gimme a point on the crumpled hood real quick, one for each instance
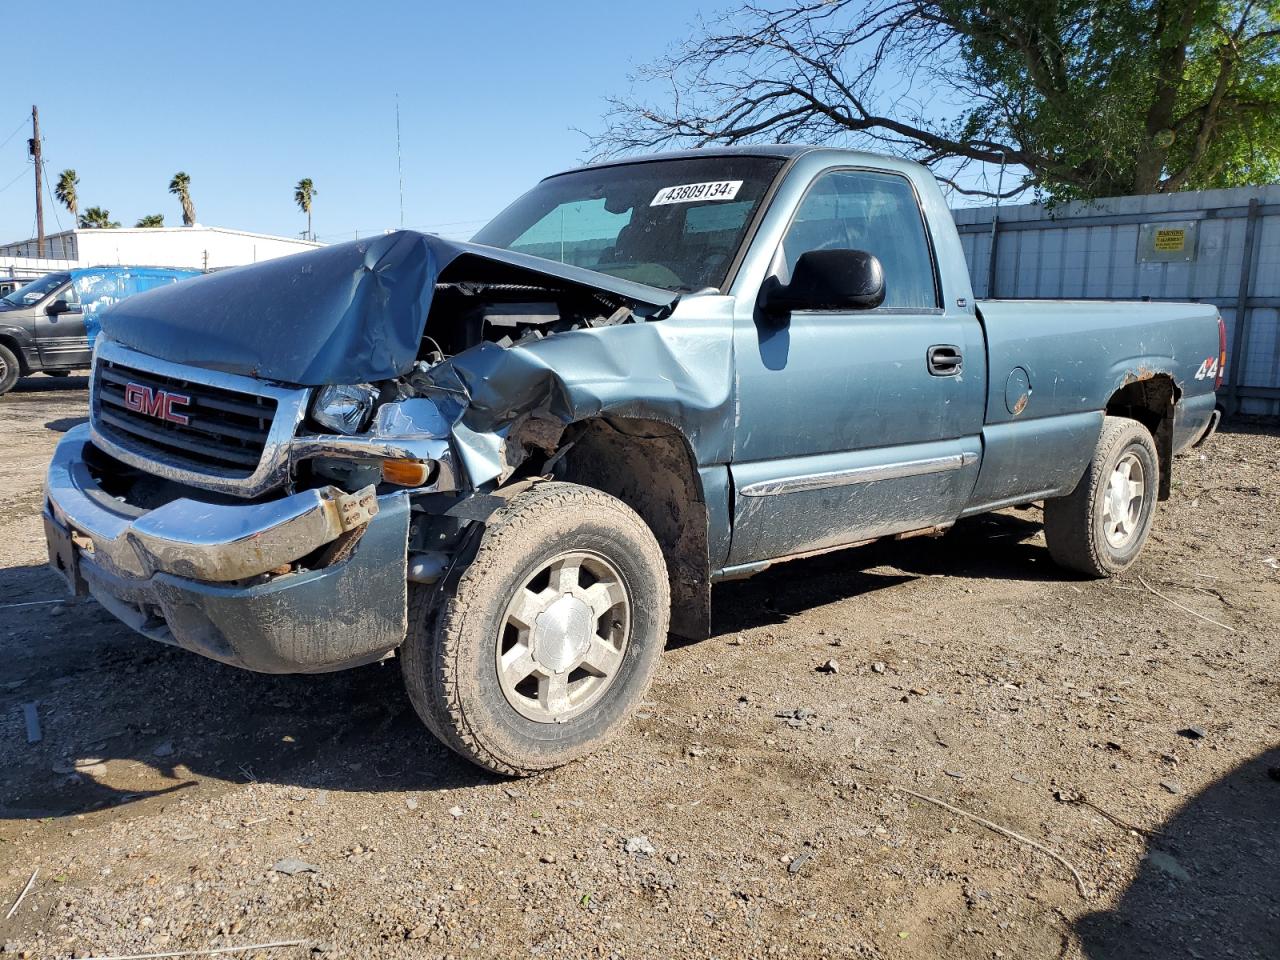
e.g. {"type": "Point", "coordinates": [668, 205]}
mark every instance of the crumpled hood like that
{"type": "Point", "coordinates": [348, 313]}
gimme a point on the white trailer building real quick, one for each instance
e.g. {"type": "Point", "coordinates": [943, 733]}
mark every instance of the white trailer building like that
{"type": "Point", "coordinates": [197, 247]}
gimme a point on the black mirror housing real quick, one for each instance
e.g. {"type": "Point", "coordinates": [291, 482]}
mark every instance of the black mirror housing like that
{"type": "Point", "coordinates": [58, 306]}
{"type": "Point", "coordinates": [828, 280]}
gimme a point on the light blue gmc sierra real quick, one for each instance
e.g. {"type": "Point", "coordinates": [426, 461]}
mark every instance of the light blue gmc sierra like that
{"type": "Point", "coordinates": [518, 463]}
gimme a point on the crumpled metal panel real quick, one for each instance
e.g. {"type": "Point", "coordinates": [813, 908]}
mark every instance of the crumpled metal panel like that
{"type": "Point", "coordinates": [347, 313]}
{"type": "Point", "coordinates": [674, 371]}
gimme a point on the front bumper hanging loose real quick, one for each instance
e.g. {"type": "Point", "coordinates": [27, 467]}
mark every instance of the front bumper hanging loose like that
{"type": "Point", "coordinates": [208, 576]}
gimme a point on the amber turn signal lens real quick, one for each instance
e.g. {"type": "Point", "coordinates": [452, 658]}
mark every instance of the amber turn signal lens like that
{"type": "Point", "coordinates": [407, 473]}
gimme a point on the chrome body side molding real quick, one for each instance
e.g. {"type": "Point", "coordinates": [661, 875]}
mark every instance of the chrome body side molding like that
{"type": "Point", "coordinates": [869, 474]}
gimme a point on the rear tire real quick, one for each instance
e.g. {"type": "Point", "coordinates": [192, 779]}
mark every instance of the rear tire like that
{"type": "Point", "coordinates": [549, 639]}
{"type": "Point", "coordinates": [10, 369]}
{"type": "Point", "coordinates": [1100, 528]}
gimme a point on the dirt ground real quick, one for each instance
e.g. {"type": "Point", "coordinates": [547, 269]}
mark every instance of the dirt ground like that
{"type": "Point", "coordinates": [758, 806]}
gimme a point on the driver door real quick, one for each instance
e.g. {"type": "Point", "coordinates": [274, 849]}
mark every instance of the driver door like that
{"type": "Point", "coordinates": [855, 424]}
{"type": "Point", "coordinates": [61, 339]}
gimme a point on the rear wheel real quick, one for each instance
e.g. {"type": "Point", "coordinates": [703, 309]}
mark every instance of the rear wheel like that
{"type": "Point", "coordinates": [549, 639]}
{"type": "Point", "coordinates": [10, 369]}
{"type": "Point", "coordinates": [1102, 526]}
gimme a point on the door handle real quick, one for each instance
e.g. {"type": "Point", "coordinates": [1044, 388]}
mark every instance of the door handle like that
{"type": "Point", "coordinates": [945, 360]}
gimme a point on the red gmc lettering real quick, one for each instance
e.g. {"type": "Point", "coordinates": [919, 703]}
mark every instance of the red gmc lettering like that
{"type": "Point", "coordinates": [156, 403]}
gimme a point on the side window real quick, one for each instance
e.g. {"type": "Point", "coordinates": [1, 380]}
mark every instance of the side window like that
{"type": "Point", "coordinates": [875, 212]}
{"type": "Point", "coordinates": [69, 294]}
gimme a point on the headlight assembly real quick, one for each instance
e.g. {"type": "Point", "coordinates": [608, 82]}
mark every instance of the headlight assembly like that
{"type": "Point", "coordinates": [344, 408]}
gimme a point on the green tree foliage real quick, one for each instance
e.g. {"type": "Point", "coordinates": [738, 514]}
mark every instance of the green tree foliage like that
{"type": "Point", "coordinates": [302, 195]}
{"type": "Point", "coordinates": [96, 218]}
{"type": "Point", "coordinates": [151, 220]}
{"type": "Point", "coordinates": [65, 191]}
{"type": "Point", "coordinates": [1079, 99]}
{"type": "Point", "coordinates": [180, 187]}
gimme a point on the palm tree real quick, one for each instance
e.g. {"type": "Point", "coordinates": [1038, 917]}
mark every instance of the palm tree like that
{"type": "Point", "coordinates": [151, 220]}
{"type": "Point", "coordinates": [302, 195]}
{"type": "Point", "coordinates": [96, 218]}
{"type": "Point", "coordinates": [65, 191]}
{"type": "Point", "coordinates": [180, 187]}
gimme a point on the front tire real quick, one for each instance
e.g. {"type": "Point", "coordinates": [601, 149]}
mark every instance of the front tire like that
{"type": "Point", "coordinates": [549, 639]}
{"type": "Point", "coordinates": [10, 369]}
{"type": "Point", "coordinates": [1100, 528]}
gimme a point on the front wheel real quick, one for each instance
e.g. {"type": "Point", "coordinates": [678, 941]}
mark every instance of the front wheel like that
{"type": "Point", "coordinates": [550, 637]}
{"type": "Point", "coordinates": [10, 369]}
{"type": "Point", "coordinates": [1100, 528]}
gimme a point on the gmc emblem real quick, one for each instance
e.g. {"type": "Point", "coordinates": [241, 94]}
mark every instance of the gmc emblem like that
{"type": "Point", "coordinates": [160, 404]}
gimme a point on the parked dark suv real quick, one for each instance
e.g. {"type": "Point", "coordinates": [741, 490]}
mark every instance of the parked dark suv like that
{"type": "Point", "coordinates": [42, 330]}
{"type": "Point", "coordinates": [48, 326]}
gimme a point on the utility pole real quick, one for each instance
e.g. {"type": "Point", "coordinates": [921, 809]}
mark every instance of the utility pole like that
{"type": "Point", "coordinates": [399, 165]}
{"type": "Point", "coordinates": [34, 147]}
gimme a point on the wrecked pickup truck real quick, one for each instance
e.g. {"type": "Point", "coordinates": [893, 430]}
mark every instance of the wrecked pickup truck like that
{"type": "Point", "coordinates": [518, 463]}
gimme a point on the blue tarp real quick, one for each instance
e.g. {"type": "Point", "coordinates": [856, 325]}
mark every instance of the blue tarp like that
{"type": "Point", "coordinates": [100, 287]}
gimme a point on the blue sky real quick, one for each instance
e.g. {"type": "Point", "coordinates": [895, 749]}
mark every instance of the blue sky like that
{"type": "Point", "coordinates": [249, 97]}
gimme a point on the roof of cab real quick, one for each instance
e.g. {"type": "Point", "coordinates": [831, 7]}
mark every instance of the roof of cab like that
{"type": "Point", "coordinates": [785, 151]}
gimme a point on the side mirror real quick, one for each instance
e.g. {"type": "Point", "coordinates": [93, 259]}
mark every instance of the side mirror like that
{"type": "Point", "coordinates": [58, 306]}
{"type": "Point", "coordinates": [827, 280]}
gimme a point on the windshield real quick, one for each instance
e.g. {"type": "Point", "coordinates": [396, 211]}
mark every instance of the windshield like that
{"type": "Point", "coordinates": [36, 290]}
{"type": "Point", "coordinates": [675, 224]}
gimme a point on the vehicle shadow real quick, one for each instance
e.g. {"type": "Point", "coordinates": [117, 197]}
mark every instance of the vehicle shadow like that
{"type": "Point", "coordinates": [47, 384]}
{"type": "Point", "coordinates": [63, 424]}
{"type": "Point", "coordinates": [992, 546]}
{"type": "Point", "coordinates": [1246, 425]}
{"type": "Point", "coordinates": [1209, 886]}
{"type": "Point", "coordinates": [123, 718]}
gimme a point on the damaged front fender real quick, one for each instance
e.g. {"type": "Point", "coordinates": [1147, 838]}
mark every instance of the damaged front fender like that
{"type": "Point", "coordinates": [677, 372]}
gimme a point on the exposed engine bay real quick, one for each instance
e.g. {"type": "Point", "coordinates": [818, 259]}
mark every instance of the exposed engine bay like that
{"type": "Point", "coordinates": [465, 314]}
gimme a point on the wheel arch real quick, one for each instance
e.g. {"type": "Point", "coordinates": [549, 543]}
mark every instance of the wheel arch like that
{"type": "Point", "coordinates": [19, 348]}
{"type": "Point", "coordinates": [650, 466]}
{"type": "Point", "coordinates": [1151, 398]}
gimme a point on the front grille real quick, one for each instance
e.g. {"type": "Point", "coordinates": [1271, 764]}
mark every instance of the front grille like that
{"type": "Point", "coordinates": [226, 431]}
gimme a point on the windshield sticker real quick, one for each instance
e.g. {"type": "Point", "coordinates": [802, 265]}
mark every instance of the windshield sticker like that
{"type": "Point", "coordinates": [691, 192]}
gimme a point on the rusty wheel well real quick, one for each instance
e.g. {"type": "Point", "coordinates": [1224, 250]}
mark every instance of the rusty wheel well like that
{"type": "Point", "coordinates": [649, 465]}
{"type": "Point", "coordinates": [1151, 400]}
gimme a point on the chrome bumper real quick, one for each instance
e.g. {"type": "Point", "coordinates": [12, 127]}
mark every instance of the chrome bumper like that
{"type": "Point", "coordinates": [186, 573]}
{"type": "Point", "coordinates": [190, 538]}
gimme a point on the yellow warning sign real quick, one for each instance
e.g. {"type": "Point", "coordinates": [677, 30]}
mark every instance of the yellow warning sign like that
{"type": "Point", "coordinates": [1171, 240]}
{"type": "Point", "coordinates": [1167, 241]}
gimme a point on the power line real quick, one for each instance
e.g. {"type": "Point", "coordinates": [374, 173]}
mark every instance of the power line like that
{"type": "Point", "coordinates": [13, 181]}
{"type": "Point", "coordinates": [22, 123]}
{"type": "Point", "coordinates": [52, 205]}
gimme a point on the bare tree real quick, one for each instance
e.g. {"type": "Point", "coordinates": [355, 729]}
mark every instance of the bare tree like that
{"type": "Point", "coordinates": [1080, 99]}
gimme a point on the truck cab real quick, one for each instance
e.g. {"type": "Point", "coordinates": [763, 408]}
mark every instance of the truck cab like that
{"type": "Point", "coordinates": [516, 464]}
